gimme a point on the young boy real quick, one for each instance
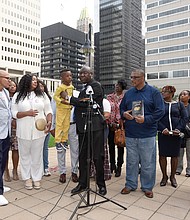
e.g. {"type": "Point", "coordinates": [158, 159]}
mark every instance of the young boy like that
{"type": "Point", "coordinates": [63, 111]}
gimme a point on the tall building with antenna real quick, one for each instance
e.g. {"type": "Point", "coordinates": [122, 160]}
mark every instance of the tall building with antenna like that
{"type": "Point", "coordinates": [83, 25]}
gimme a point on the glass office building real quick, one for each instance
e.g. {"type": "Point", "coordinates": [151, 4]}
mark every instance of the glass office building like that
{"type": "Point", "coordinates": [121, 47]}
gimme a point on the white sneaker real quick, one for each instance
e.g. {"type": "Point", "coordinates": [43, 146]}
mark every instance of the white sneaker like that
{"type": "Point", "coordinates": [6, 189]}
{"type": "Point", "coordinates": [28, 184]}
{"type": "Point", "coordinates": [47, 172]}
{"type": "Point", "coordinates": [37, 185]}
{"type": "Point", "coordinates": [3, 201]}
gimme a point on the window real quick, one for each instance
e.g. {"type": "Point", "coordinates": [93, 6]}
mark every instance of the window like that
{"type": "Point", "coordinates": [176, 60]}
{"type": "Point", "coordinates": [151, 5]}
{"type": "Point", "coordinates": [180, 73]}
{"type": "Point", "coordinates": [174, 11]}
{"type": "Point", "coordinates": [174, 23]}
{"type": "Point", "coordinates": [152, 63]}
{"type": "Point", "coordinates": [174, 48]}
{"type": "Point", "coordinates": [152, 76]}
{"type": "Point", "coordinates": [150, 17]}
{"type": "Point", "coordinates": [152, 51]}
{"type": "Point", "coordinates": [163, 75]}
{"type": "Point", "coordinates": [173, 36]}
{"type": "Point", "coordinates": [153, 28]}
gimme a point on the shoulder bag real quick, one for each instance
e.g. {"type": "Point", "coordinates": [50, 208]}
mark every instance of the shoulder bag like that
{"type": "Point", "coordinates": [119, 138]}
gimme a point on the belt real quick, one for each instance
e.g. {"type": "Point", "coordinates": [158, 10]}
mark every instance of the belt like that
{"type": "Point", "coordinates": [72, 123]}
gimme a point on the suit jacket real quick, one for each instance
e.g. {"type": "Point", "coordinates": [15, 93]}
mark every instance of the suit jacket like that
{"type": "Point", "coordinates": [82, 107]}
{"type": "Point", "coordinates": [5, 115]}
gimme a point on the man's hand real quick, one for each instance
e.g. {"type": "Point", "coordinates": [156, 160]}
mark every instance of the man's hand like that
{"type": "Point", "coordinates": [139, 119]}
{"type": "Point", "coordinates": [64, 101]}
{"type": "Point", "coordinates": [128, 115]}
{"type": "Point", "coordinates": [84, 99]}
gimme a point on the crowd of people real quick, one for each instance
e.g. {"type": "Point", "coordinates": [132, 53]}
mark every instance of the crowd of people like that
{"type": "Point", "coordinates": [84, 123]}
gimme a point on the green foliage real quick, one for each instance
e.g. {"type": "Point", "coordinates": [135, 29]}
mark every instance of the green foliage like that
{"type": "Point", "coordinates": [51, 141]}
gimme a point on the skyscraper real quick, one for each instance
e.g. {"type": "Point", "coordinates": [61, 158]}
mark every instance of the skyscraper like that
{"type": "Point", "coordinates": [85, 24]}
{"type": "Point", "coordinates": [120, 46]}
{"type": "Point", "coordinates": [20, 36]}
{"type": "Point", "coordinates": [167, 43]}
{"type": "Point", "coordinates": [60, 49]}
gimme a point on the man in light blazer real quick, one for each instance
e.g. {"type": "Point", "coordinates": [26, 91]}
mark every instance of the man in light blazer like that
{"type": "Point", "coordinates": [5, 128]}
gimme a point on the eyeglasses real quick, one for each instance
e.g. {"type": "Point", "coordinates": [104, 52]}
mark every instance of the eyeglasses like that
{"type": "Point", "coordinates": [6, 77]}
{"type": "Point", "coordinates": [165, 91]}
{"type": "Point", "coordinates": [83, 73]}
{"type": "Point", "coordinates": [135, 77]}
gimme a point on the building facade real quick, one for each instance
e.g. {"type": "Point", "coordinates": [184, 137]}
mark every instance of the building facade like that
{"type": "Point", "coordinates": [60, 48]}
{"type": "Point", "coordinates": [20, 38]}
{"type": "Point", "coordinates": [120, 46]}
{"type": "Point", "coordinates": [168, 43]}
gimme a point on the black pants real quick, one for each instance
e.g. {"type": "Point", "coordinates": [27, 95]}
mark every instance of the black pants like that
{"type": "Point", "coordinates": [4, 149]}
{"type": "Point", "coordinates": [97, 154]}
{"type": "Point", "coordinates": [112, 150]}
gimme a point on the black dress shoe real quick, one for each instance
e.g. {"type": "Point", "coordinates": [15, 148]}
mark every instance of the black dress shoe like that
{"type": "Point", "coordinates": [112, 168]}
{"type": "Point", "coordinates": [118, 172]}
{"type": "Point", "coordinates": [79, 188]}
{"type": "Point", "coordinates": [102, 190]}
{"type": "Point", "coordinates": [173, 182]}
{"type": "Point", "coordinates": [163, 181]}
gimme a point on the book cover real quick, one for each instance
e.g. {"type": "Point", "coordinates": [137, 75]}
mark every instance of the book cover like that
{"type": "Point", "coordinates": [137, 108]}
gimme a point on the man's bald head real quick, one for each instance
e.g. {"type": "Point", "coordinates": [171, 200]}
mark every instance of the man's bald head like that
{"type": "Point", "coordinates": [4, 79]}
{"type": "Point", "coordinates": [4, 73]}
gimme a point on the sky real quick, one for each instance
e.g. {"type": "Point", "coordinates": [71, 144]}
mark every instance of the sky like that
{"type": "Point", "coordinates": [66, 11]}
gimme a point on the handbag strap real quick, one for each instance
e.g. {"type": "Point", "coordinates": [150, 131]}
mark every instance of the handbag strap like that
{"type": "Point", "coordinates": [121, 124]}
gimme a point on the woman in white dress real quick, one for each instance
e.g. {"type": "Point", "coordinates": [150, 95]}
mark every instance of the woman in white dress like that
{"type": "Point", "coordinates": [28, 105]}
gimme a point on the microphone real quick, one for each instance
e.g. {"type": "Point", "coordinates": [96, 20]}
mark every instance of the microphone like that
{"type": "Point", "coordinates": [90, 92]}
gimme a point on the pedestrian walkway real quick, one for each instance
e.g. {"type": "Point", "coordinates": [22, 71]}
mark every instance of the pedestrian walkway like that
{"type": "Point", "coordinates": [168, 203]}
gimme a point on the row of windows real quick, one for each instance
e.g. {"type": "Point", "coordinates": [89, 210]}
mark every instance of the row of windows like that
{"type": "Point", "coordinates": [163, 75]}
{"type": "Point", "coordinates": [20, 43]}
{"type": "Point", "coordinates": [168, 49]}
{"type": "Point", "coordinates": [16, 60]}
{"type": "Point", "coordinates": [168, 37]}
{"type": "Point", "coordinates": [161, 2]}
{"type": "Point", "coordinates": [19, 34]}
{"type": "Point", "coordinates": [20, 52]}
{"type": "Point", "coordinates": [22, 9]}
{"type": "Point", "coordinates": [167, 25]}
{"type": "Point", "coordinates": [166, 13]}
{"type": "Point", "coordinates": [169, 61]}
{"type": "Point", "coordinates": [19, 25]}
{"type": "Point", "coordinates": [22, 17]}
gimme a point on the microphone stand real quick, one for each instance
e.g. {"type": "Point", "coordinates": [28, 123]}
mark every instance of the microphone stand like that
{"type": "Point", "coordinates": [89, 150]}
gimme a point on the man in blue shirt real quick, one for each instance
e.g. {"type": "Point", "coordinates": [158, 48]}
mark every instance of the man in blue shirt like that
{"type": "Point", "coordinates": [142, 107]}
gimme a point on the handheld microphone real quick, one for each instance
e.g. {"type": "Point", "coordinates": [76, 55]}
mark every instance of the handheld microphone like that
{"type": "Point", "coordinates": [90, 92]}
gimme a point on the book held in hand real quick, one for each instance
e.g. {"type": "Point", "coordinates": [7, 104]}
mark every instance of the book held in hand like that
{"type": "Point", "coordinates": [137, 108]}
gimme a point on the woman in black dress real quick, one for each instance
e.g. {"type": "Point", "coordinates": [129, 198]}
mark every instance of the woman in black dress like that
{"type": "Point", "coordinates": [170, 127]}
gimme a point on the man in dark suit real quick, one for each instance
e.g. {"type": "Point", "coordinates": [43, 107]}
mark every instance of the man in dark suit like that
{"type": "Point", "coordinates": [96, 129]}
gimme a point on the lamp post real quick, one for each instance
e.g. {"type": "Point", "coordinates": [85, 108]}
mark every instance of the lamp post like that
{"type": "Point", "coordinates": [87, 48]}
